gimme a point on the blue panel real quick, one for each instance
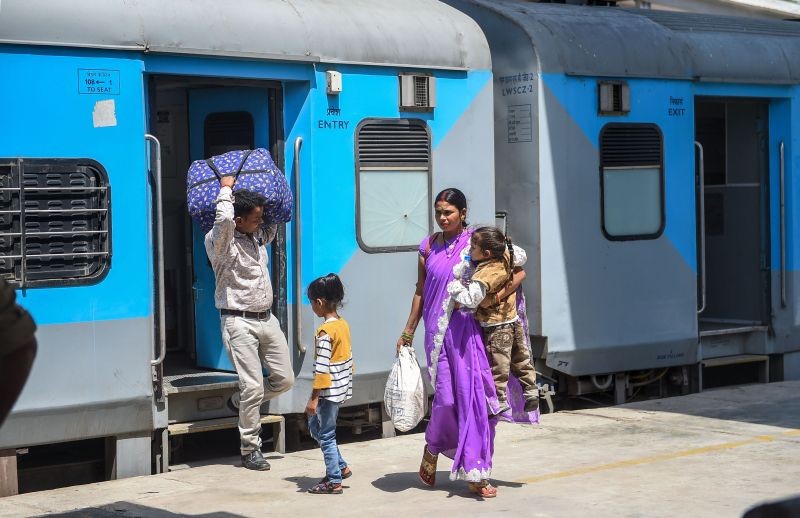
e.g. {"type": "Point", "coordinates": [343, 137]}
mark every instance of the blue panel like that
{"type": "Point", "coordinates": [330, 200]}
{"type": "Point", "coordinates": [297, 123]}
{"type": "Point", "coordinates": [221, 67]}
{"type": "Point", "coordinates": [47, 116]}
{"type": "Point", "coordinates": [208, 339]}
{"type": "Point", "coordinates": [652, 101]}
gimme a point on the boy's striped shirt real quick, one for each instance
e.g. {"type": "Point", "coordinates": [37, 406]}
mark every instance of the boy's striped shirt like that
{"type": "Point", "coordinates": [333, 361]}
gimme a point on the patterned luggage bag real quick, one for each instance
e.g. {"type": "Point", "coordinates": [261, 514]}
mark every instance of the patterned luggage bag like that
{"type": "Point", "coordinates": [254, 171]}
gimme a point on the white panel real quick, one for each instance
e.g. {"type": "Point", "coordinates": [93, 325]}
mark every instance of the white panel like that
{"type": "Point", "coordinates": [407, 91]}
{"type": "Point", "coordinates": [393, 207]}
{"type": "Point", "coordinates": [632, 201]}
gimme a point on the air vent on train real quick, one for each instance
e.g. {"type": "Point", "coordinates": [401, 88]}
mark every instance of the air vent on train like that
{"type": "Point", "coordinates": [614, 98]}
{"type": "Point", "coordinates": [417, 92]}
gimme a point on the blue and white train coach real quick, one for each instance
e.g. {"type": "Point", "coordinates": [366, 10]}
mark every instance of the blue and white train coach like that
{"type": "Point", "coordinates": [369, 108]}
{"type": "Point", "coordinates": [647, 161]}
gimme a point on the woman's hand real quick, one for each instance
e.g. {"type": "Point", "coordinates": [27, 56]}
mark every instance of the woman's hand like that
{"type": "Point", "coordinates": [406, 338]}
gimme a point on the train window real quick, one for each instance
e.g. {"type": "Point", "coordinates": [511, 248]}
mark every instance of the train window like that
{"type": "Point", "coordinates": [54, 222]}
{"type": "Point", "coordinates": [631, 181]}
{"type": "Point", "coordinates": [393, 177]}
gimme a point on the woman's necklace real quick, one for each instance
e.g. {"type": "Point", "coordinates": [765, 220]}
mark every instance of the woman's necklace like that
{"type": "Point", "coordinates": [450, 246]}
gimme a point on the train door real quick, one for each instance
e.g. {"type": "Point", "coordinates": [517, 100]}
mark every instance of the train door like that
{"type": "Point", "coordinates": [220, 120]}
{"type": "Point", "coordinates": [733, 225]}
{"type": "Point", "coordinates": [196, 118]}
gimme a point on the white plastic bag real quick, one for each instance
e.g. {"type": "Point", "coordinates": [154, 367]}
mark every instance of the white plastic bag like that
{"type": "Point", "coordinates": [405, 393]}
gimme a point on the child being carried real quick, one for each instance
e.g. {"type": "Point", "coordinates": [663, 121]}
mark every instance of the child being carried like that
{"type": "Point", "coordinates": [503, 333]}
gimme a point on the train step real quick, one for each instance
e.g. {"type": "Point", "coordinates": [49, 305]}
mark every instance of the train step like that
{"type": "Point", "coordinates": [197, 380]}
{"type": "Point", "coordinates": [727, 340]}
{"type": "Point", "coordinates": [209, 425]}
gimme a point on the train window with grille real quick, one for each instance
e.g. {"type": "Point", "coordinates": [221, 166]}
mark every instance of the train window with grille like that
{"type": "Point", "coordinates": [393, 176]}
{"type": "Point", "coordinates": [631, 181]}
{"type": "Point", "coordinates": [54, 222]}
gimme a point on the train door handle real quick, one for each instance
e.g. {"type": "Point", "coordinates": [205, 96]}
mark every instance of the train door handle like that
{"type": "Point", "coordinates": [162, 333]}
{"type": "Point", "coordinates": [702, 170]}
{"type": "Point", "coordinates": [298, 283]}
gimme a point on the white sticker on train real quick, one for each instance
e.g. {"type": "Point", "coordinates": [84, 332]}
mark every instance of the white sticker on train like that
{"type": "Point", "coordinates": [104, 114]}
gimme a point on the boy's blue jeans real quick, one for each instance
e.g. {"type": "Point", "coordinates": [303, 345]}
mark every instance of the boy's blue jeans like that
{"type": "Point", "coordinates": [322, 426]}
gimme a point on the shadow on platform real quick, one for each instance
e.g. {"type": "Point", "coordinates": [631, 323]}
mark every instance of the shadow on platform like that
{"type": "Point", "coordinates": [129, 510]}
{"type": "Point", "coordinates": [398, 482]}
{"type": "Point", "coordinates": [772, 404]}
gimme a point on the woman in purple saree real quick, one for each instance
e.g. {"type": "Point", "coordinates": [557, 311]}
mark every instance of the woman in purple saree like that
{"type": "Point", "coordinates": [460, 426]}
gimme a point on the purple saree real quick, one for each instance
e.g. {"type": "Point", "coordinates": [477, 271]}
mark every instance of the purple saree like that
{"type": "Point", "coordinates": [460, 427]}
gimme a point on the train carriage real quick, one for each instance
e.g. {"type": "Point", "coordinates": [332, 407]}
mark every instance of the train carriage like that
{"type": "Point", "coordinates": [369, 108]}
{"type": "Point", "coordinates": [647, 159]}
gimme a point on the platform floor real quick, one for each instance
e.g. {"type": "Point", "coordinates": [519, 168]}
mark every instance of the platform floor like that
{"type": "Point", "coordinates": [713, 454]}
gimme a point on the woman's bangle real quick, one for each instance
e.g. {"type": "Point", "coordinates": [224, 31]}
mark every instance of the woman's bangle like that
{"type": "Point", "coordinates": [406, 337]}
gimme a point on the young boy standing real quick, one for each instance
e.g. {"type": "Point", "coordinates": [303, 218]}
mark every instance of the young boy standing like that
{"type": "Point", "coordinates": [333, 379]}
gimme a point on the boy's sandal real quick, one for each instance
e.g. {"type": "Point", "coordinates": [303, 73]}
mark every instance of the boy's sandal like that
{"type": "Point", "coordinates": [427, 468]}
{"type": "Point", "coordinates": [326, 488]}
{"type": "Point", "coordinates": [346, 473]}
{"type": "Point", "coordinates": [483, 489]}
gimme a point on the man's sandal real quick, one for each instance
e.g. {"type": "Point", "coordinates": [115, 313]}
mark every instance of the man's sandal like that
{"type": "Point", "coordinates": [346, 473]}
{"type": "Point", "coordinates": [427, 468]}
{"type": "Point", "coordinates": [326, 488]}
{"type": "Point", "coordinates": [483, 489]}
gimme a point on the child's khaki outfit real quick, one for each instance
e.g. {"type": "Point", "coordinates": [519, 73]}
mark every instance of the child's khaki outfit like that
{"type": "Point", "coordinates": [504, 336]}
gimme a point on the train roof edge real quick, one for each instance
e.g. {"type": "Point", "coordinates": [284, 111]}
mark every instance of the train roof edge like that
{"type": "Point", "coordinates": [414, 33]}
{"type": "Point", "coordinates": [619, 42]}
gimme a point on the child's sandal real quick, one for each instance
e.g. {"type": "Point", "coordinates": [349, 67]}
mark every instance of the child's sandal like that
{"type": "Point", "coordinates": [346, 473]}
{"type": "Point", "coordinates": [483, 489]}
{"type": "Point", "coordinates": [326, 488]}
{"type": "Point", "coordinates": [427, 468]}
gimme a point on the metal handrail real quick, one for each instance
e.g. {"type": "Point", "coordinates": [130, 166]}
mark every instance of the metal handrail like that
{"type": "Point", "coordinates": [502, 214]}
{"type": "Point", "coordinates": [64, 255]}
{"type": "Point", "coordinates": [54, 211]}
{"type": "Point", "coordinates": [63, 233]}
{"type": "Point", "coordinates": [298, 287]}
{"type": "Point", "coordinates": [702, 168]}
{"type": "Point", "coordinates": [23, 239]}
{"type": "Point", "coordinates": [783, 224]}
{"type": "Point", "coordinates": [33, 189]}
{"type": "Point", "coordinates": [162, 334]}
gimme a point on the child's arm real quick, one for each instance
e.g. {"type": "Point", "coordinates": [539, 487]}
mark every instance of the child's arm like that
{"type": "Point", "coordinates": [311, 406]}
{"type": "Point", "coordinates": [468, 295]}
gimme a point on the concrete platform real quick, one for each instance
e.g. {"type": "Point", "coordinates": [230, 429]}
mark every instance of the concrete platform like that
{"type": "Point", "coordinates": [716, 453]}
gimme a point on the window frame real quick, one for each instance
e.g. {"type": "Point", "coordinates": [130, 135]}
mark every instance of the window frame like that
{"type": "Point", "coordinates": [358, 165]}
{"type": "Point", "coordinates": [661, 182]}
{"type": "Point", "coordinates": [17, 166]}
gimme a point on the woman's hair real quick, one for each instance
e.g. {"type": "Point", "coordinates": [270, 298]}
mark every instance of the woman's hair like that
{"type": "Point", "coordinates": [244, 202]}
{"type": "Point", "coordinates": [455, 198]}
{"type": "Point", "coordinates": [493, 241]}
{"type": "Point", "coordinates": [328, 288]}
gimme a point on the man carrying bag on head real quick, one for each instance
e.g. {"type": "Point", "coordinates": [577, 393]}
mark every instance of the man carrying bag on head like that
{"type": "Point", "coordinates": [236, 247]}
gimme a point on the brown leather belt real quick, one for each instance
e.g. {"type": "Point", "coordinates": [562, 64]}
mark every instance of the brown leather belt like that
{"type": "Point", "coordinates": [258, 315]}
